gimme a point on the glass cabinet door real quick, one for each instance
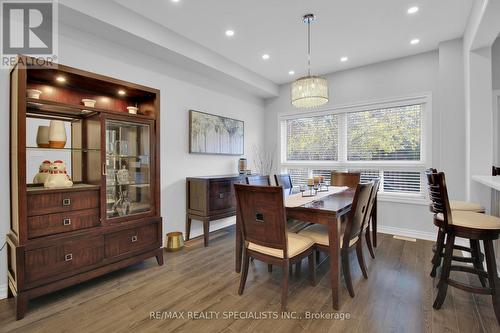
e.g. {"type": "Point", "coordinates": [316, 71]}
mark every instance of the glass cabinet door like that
{"type": "Point", "coordinates": [128, 168]}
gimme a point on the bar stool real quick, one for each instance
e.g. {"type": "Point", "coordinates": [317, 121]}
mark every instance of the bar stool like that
{"type": "Point", "coordinates": [477, 257]}
{"type": "Point", "coordinates": [469, 225]}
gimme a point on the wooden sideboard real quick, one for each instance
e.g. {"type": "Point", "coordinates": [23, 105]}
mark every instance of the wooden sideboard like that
{"type": "Point", "coordinates": [210, 198]}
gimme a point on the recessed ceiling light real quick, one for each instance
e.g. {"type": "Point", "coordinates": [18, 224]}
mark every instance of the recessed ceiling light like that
{"type": "Point", "coordinates": [344, 59]}
{"type": "Point", "coordinates": [412, 10]}
{"type": "Point", "coordinates": [265, 56]}
{"type": "Point", "coordinates": [229, 33]}
{"type": "Point", "coordinates": [61, 79]}
{"type": "Point", "coordinates": [415, 41]}
{"type": "Point", "coordinates": [291, 72]}
{"type": "Point", "coordinates": [175, 0]}
{"type": "Point", "coordinates": [121, 92]}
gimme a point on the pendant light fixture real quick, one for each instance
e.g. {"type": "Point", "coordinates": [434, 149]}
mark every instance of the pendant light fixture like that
{"type": "Point", "coordinates": [309, 91]}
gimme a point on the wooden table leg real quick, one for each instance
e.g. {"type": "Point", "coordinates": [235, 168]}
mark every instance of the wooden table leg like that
{"type": "Point", "coordinates": [238, 247]}
{"type": "Point", "coordinates": [188, 227]}
{"type": "Point", "coordinates": [374, 222]}
{"type": "Point", "coordinates": [206, 232]}
{"type": "Point", "coordinates": [334, 239]}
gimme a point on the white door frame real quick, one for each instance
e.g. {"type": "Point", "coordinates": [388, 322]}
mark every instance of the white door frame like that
{"type": "Point", "coordinates": [496, 126]}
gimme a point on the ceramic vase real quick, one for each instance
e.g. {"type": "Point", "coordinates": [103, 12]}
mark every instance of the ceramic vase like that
{"type": "Point", "coordinates": [42, 137]}
{"type": "Point", "coordinates": [57, 134]}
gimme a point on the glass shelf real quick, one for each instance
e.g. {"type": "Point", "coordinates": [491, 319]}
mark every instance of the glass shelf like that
{"type": "Point", "coordinates": [126, 156]}
{"type": "Point", "coordinates": [65, 149]}
{"type": "Point", "coordinates": [128, 184]}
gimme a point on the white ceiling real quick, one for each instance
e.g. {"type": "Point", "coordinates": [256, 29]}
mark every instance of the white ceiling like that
{"type": "Point", "coordinates": [367, 31]}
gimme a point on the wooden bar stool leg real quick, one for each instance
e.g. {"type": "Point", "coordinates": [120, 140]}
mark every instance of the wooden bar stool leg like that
{"type": "Point", "coordinates": [493, 279]}
{"type": "Point", "coordinates": [445, 273]}
{"type": "Point", "coordinates": [436, 259]}
{"type": "Point", "coordinates": [475, 255]}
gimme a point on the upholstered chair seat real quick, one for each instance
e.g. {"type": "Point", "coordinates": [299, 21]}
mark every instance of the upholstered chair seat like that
{"type": "Point", "coordinates": [473, 220]}
{"type": "Point", "coordinates": [466, 206]}
{"type": "Point", "coordinates": [296, 244]}
{"type": "Point", "coordinates": [319, 234]}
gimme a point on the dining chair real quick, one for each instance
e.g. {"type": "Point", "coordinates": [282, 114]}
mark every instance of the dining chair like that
{"type": "Point", "coordinates": [284, 180]}
{"type": "Point", "coordinates": [468, 225]}
{"type": "Point", "coordinates": [476, 257]}
{"type": "Point", "coordinates": [369, 214]}
{"type": "Point", "coordinates": [263, 226]}
{"type": "Point", "coordinates": [351, 235]}
{"type": "Point", "coordinates": [258, 180]}
{"type": "Point", "coordinates": [350, 179]}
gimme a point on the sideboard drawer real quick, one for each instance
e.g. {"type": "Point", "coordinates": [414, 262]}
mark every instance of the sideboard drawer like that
{"type": "Point", "coordinates": [131, 240]}
{"type": "Point", "coordinates": [63, 258]}
{"type": "Point", "coordinates": [221, 195]}
{"type": "Point", "coordinates": [50, 224]}
{"type": "Point", "coordinates": [47, 203]}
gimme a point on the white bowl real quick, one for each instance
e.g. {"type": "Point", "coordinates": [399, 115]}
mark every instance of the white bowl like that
{"type": "Point", "coordinates": [33, 93]}
{"type": "Point", "coordinates": [132, 109]}
{"type": "Point", "coordinates": [88, 102]}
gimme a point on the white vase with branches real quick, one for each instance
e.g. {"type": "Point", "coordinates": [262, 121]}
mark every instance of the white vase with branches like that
{"type": "Point", "coordinates": [263, 160]}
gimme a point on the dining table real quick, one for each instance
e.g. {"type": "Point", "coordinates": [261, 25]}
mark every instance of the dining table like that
{"type": "Point", "coordinates": [328, 209]}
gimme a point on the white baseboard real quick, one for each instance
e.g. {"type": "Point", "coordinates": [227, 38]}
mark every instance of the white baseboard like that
{"type": "Point", "coordinates": [424, 235]}
{"type": "Point", "coordinates": [3, 291]}
{"type": "Point", "coordinates": [431, 236]}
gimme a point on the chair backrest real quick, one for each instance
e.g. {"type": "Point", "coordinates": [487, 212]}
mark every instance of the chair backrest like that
{"type": "Point", "coordinates": [358, 212]}
{"type": "Point", "coordinates": [261, 212]}
{"type": "Point", "coordinates": [284, 180]}
{"type": "Point", "coordinates": [373, 197]}
{"type": "Point", "coordinates": [350, 179]}
{"type": "Point", "coordinates": [438, 194]}
{"type": "Point", "coordinates": [258, 180]}
{"type": "Point", "coordinates": [495, 171]}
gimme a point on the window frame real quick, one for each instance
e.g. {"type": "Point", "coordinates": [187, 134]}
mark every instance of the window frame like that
{"type": "Point", "coordinates": [425, 99]}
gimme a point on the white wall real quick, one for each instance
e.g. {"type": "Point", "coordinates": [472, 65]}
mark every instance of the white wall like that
{"type": "Point", "coordinates": [177, 97]}
{"type": "Point", "coordinates": [495, 61]}
{"type": "Point", "coordinates": [436, 72]}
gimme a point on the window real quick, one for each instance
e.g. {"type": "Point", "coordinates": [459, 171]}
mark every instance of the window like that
{"type": "Point", "coordinates": [383, 140]}
{"type": "Point", "coordinates": [385, 134]}
{"type": "Point", "coordinates": [312, 139]}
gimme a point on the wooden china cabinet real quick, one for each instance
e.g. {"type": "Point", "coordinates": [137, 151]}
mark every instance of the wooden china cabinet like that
{"type": "Point", "coordinates": [110, 217]}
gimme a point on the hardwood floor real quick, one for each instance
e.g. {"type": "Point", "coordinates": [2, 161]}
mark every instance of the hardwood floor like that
{"type": "Point", "coordinates": [397, 296]}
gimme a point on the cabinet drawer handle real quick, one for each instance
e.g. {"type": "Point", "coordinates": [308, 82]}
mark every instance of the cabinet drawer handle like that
{"type": "Point", "coordinates": [133, 239]}
{"type": "Point", "coordinates": [66, 202]}
{"type": "Point", "coordinates": [68, 257]}
{"type": "Point", "coordinates": [66, 221]}
{"type": "Point", "coordinates": [221, 195]}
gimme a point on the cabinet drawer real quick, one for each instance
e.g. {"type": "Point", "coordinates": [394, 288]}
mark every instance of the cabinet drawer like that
{"type": "Point", "coordinates": [63, 258]}
{"type": "Point", "coordinates": [47, 203]}
{"type": "Point", "coordinates": [223, 201]}
{"type": "Point", "coordinates": [220, 186]}
{"type": "Point", "coordinates": [43, 225]}
{"type": "Point", "coordinates": [131, 240]}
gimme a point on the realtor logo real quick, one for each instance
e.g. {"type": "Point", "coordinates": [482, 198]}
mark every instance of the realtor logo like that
{"type": "Point", "coordinates": [29, 28]}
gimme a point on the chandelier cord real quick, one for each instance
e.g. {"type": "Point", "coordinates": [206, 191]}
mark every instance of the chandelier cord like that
{"type": "Point", "coordinates": [309, 47]}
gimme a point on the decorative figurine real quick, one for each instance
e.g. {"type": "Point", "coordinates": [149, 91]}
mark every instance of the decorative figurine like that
{"type": "Point", "coordinates": [122, 176]}
{"type": "Point", "coordinates": [43, 172]}
{"type": "Point", "coordinates": [58, 176]}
